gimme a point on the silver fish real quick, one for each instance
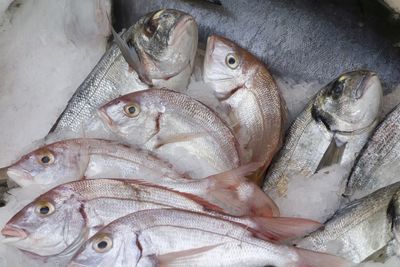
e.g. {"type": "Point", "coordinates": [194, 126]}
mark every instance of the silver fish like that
{"type": "Point", "coordinates": [379, 162]}
{"type": "Point", "coordinates": [176, 237]}
{"type": "Point", "coordinates": [361, 228]}
{"type": "Point", "coordinates": [57, 222]}
{"type": "Point", "coordinates": [165, 51]}
{"type": "Point", "coordinates": [331, 130]}
{"type": "Point", "coordinates": [245, 86]}
{"type": "Point", "coordinates": [174, 125]}
{"type": "Point", "coordinates": [73, 159]}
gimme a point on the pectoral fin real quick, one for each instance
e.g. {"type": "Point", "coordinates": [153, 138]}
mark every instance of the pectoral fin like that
{"type": "Point", "coordinates": [182, 137]}
{"type": "Point", "coordinates": [184, 257]}
{"type": "Point", "coordinates": [333, 154]}
{"type": "Point", "coordinates": [130, 55]}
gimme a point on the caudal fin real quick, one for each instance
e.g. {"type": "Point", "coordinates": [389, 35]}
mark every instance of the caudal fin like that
{"type": "Point", "coordinates": [239, 197]}
{"type": "Point", "coordinates": [283, 228]}
{"type": "Point", "coordinates": [310, 258]}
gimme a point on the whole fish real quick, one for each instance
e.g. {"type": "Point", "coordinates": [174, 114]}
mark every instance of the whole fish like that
{"type": "Point", "coordinates": [331, 130]}
{"type": "Point", "coordinates": [298, 41]}
{"type": "Point", "coordinates": [245, 86]}
{"type": "Point", "coordinates": [175, 127]}
{"type": "Point", "coordinates": [165, 42]}
{"type": "Point", "coordinates": [73, 159]}
{"type": "Point", "coordinates": [379, 162]}
{"type": "Point", "coordinates": [83, 207]}
{"type": "Point", "coordinates": [361, 228]}
{"type": "Point", "coordinates": [177, 237]}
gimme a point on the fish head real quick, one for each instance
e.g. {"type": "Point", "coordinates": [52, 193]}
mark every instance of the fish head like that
{"type": "Point", "coordinates": [50, 225]}
{"type": "Point", "coordinates": [114, 245]}
{"type": "Point", "coordinates": [351, 102]}
{"type": "Point", "coordinates": [165, 42]}
{"type": "Point", "coordinates": [64, 160]}
{"type": "Point", "coordinates": [227, 66]}
{"type": "Point", "coordinates": [134, 116]}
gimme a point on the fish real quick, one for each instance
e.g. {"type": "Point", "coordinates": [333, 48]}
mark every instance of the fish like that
{"type": "Point", "coordinates": [247, 89]}
{"type": "Point", "coordinates": [175, 127]}
{"type": "Point", "coordinates": [83, 207]}
{"type": "Point", "coordinates": [176, 237]}
{"type": "Point", "coordinates": [297, 41]}
{"type": "Point", "coordinates": [361, 228]}
{"type": "Point", "coordinates": [155, 38]}
{"type": "Point", "coordinates": [378, 162]}
{"type": "Point", "coordinates": [74, 159]}
{"type": "Point", "coordinates": [332, 129]}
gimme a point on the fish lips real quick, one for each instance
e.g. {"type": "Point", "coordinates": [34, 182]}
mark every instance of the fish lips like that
{"type": "Point", "coordinates": [13, 234]}
{"type": "Point", "coordinates": [365, 83]}
{"type": "Point", "coordinates": [21, 177]}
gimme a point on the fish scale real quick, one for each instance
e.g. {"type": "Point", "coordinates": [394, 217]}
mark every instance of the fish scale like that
{"type": "Point", "coordinates": [159, 232]}
{"type": "Point", "coordinates": [108, 79]}
{"type": "Point", "coordinates": [332, 129]}
{"type": "Point", "coordinates": [376, 166]}
{"type": "Point", "coordinates": [175, 127]}
{"type": "Point", "coordinates": [359, 229]}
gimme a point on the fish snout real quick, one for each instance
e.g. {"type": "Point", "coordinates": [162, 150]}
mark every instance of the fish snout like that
{"type": "Point", "coordinates": [21, 177]}
{"type": "Point", "coordinates": [10, 231]}
{"type": "Point", "coordinates": [367, 82]}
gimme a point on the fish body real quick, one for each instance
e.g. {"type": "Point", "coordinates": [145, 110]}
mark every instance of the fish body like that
{"type": "Point", "coordinates": [379, 161]}
{"type": "Point", "coordinates": [83, 207]}
{"type": "Point", "coordinates": [74, 159]}
{"type": "Point", "coordinates": [246, 88]}
{"type": "Point", "coordinates": [173, 35]}
{"type": "Point", "coordinates": [168, 237]}
{"type": "Point", "coordinates": [171, 125]}
{"type": "Point", "coordinates": [331, 130]}
{"type": "Point", "coordinates": [361, 228]}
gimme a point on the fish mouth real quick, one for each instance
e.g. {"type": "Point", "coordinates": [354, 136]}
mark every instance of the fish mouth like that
{"type": "Point", "coordinates": [13, 234]}
{"type": "Point", "coordinates": [21, 177]}
{"type": "Point", "coordinates": [181, 26]}
{"type": "Point", "coordinates": [366, 82]}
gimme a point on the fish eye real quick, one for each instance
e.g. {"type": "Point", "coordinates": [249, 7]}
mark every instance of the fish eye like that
{"type": "Point", "coordinates": [102, 243]}
{"type": "Point", "coordinates": [46, 157]}
{"type": "Point", "coordinates": [338, 86]}
{"type": "Point", "coordinates": [132, 110]}
{"type": "Point", "coordinates": [232, 61]}
{"type": "Point", "coordinates": [44, 208]}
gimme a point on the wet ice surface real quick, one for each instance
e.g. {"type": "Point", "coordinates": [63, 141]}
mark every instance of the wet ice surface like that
{"type": "Point", "coordinates": [316, 197]}
{"type": "Point", "coordinates": [47, 48]}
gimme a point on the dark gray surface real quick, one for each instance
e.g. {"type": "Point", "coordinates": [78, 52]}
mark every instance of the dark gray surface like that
{"type": "Point", "coordinates": [302, 40]}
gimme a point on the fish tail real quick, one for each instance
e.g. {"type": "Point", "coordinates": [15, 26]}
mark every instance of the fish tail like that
{"type": "Point", "coordinates": [226, 189]}
{"type": "Point", "coordinates": [310, 258]}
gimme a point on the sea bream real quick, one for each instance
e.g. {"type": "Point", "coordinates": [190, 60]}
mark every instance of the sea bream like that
{"type": "Point", "coordinates": [332, 129]}
{"type": "Point", "coordinates": [56, 223]}
{"type": "Point", "coordinates": [183, 238]}
{"type": "Point", "coordinates": [247, 90]}
{"type": "Point", "coordinates": [165, 42]}
{"type": "Point", "coordinates": [361, 228]}
{"type": "Point", "coordinates": [379, 162]}
{"type": "Point", "coordinates": [74, 159]}
{"type": "Point", "coordinates": [176, 128]}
